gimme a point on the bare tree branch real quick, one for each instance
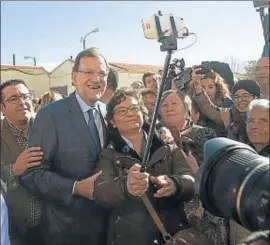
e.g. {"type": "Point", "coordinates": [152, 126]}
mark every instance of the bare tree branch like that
{"type": "Point", "coordinates": [250, 69]}
{"type": "Point", "coordinates": [234, 63]}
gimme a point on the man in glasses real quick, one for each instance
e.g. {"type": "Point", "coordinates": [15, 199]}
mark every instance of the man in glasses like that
{"type": "Point", "coordinates": [71, 132]}
{"type": "Point", "coordinates": [17, 107]}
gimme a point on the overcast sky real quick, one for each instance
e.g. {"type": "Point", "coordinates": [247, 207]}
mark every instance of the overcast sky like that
{"type": "Point", "coordinates": [51, 31]}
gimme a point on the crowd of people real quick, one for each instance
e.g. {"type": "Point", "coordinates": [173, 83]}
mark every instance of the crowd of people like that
{"type": "Point", "coordinates": [71, 167]}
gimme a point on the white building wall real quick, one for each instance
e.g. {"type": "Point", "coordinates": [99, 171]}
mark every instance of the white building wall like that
{"type": "Point", "coordinates": [125, 79]}
{"type": "Point", "coordinates": [61, 76]}
{"type": "Point", "coordinates": [38, 82]}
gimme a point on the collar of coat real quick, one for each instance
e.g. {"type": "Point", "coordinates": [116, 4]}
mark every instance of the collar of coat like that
{"type": "Point", "coordinates": [265, 152]}
{"type": "Point", "coordinates": [116, 142]}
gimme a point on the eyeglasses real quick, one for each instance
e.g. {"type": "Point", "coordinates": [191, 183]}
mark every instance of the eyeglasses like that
{"type": "Point", "coordinates": [91, 74]}
{"type": "Point", "coordinates": [16, 99]}
{"type": "Point", "coordinates": [124, 111]}
{"type": "Point", "coordinates": [243, 97]}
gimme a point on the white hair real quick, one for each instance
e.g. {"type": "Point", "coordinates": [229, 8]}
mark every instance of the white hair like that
{"type": "Point", "coordinates": [257, 103]}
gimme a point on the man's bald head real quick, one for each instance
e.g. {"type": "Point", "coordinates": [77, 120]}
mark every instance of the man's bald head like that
{"type": "Point", "coordinates": [262, 75]}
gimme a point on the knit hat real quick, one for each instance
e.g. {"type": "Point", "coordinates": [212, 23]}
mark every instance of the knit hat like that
{"type": "Point", "coordinates": [249, 85]}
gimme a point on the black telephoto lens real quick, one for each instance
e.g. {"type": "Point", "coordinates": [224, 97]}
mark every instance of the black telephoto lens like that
{"type": "Point", "coordinates": [233, 182]}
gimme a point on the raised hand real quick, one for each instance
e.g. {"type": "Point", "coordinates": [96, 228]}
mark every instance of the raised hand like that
{"type": "Point", "coordinates": [191, 160]}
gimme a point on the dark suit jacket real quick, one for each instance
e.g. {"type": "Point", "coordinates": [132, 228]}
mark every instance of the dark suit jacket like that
{"type": "Point", "coordinates": [17, 197]}
{"type": "Point", "coordinates": [61, 131]}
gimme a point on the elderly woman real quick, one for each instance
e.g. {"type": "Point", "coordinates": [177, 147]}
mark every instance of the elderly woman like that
{"type": "Point", "coordinates": [233, 119]}
{"type": "Point", "coordinates": [176, 114]}
{"type": "Point", "coordinates": [122, 183]}
{"type": "Point", "coordinates": [258, 126]}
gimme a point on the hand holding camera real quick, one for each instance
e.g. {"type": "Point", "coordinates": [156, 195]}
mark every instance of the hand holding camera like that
{"type": "Point", "coordinates": [196, 79]}
{"type": "Point", "coordinates": [196, 76]}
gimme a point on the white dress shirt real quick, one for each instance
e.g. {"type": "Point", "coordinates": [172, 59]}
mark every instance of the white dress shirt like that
{"type": "Point", "coordinates": [85, 108]}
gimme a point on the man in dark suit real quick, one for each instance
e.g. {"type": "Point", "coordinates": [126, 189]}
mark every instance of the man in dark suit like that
{"type": "Point", "coordinates": [24, 207]}
{"type": "Point", "coordinates": [71, 133]}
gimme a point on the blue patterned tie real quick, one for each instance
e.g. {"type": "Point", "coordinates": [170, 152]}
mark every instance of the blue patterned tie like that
{"type": "Point", "coordinates": [94, 132]}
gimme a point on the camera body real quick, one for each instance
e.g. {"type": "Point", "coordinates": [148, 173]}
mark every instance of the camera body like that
{"type": "Point", "coordinates": [183, 79]}
{"type": "Point", "coordinates": [233, 182]}
{"type": "Point", "coordinates": [179, 75]}
{"type": "Point", "coordinates": [176, 67]}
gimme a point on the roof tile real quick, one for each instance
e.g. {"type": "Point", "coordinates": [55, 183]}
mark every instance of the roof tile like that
{"type": "Point", "coordinates": [135, 68]}
{"type": "Point", "coordinates": [22, 67]}
{"type": "Point", "coordinates": [120, 67]}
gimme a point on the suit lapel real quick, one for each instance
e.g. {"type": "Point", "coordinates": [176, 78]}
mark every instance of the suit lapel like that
{"type": "Point", "coordinates": [78, 121]}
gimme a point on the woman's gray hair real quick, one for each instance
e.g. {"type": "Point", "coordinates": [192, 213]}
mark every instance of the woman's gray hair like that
{"type": "Point", "coordinates": [184, 98]}
{"type": "Point", "coordinates": [257, 103]}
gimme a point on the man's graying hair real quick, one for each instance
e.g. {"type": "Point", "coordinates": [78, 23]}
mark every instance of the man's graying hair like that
{"type": "Point", "coordinates": [258, 103]}
{"type": "Point", "coordinates": [91, 52]}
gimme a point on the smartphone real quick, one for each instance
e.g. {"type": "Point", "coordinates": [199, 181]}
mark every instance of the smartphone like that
{"type": "Point", "coordinates": [150, 29]}
{"type": "Point", "coordinates": [204, 69]}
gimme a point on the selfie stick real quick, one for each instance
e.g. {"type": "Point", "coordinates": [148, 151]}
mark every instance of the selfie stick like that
{"type": "Point", "coordinates": [169, 44]}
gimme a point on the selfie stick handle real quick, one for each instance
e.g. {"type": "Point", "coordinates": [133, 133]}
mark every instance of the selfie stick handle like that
{"type": "Point", "coordinates": [169, 44]}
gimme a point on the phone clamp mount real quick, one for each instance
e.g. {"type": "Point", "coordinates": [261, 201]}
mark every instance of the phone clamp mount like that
{"type": "Point", "coordinates": [168, 44]}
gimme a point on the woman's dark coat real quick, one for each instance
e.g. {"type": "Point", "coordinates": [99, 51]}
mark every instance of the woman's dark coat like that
{"type": "Point", "coordinates": [130, 222]}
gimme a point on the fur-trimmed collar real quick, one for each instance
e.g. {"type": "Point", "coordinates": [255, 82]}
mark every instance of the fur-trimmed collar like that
{"type": "Point", "coordinates": [116, 142]}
